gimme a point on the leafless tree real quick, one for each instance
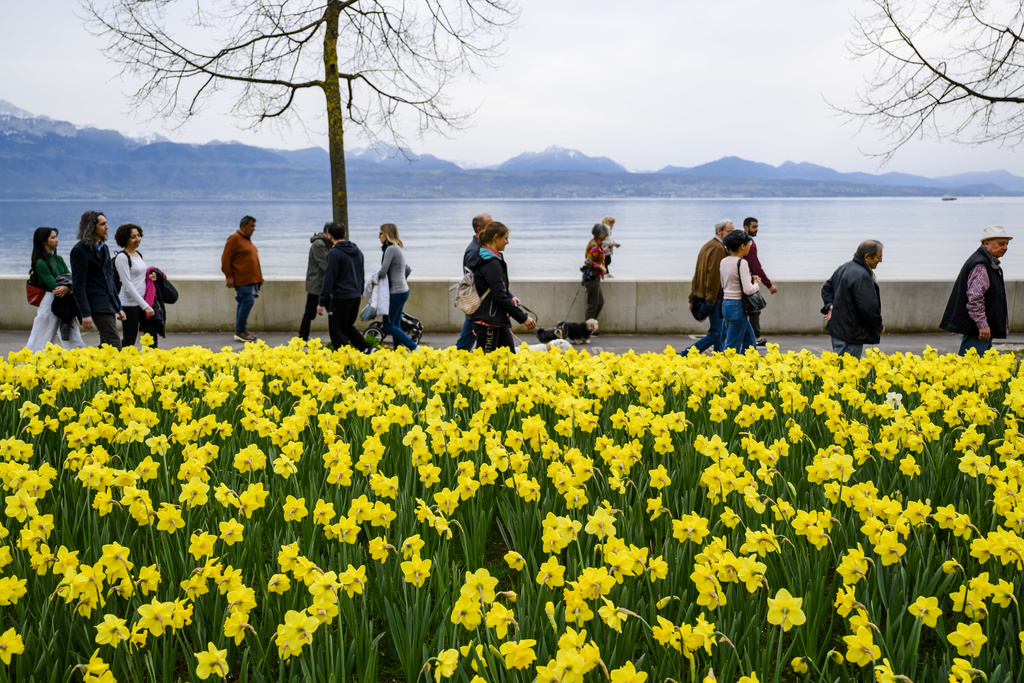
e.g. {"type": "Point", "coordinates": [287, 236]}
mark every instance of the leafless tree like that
{"type": "Point", "coordinates": [372, 59]}
{"type": "Point", "coordinates": [946, 69]}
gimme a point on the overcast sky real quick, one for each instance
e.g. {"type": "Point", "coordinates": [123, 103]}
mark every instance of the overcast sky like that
{"type": "Point", "coordinates": [647, 83]}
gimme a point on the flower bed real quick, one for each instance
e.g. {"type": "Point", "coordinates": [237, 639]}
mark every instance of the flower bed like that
{"type": "Point", "coordinates": [291, 513]}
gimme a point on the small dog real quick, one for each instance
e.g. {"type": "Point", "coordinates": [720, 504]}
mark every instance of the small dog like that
{"type": "Point", "coordinates": [555, 344]}
{"type": "Point", "coordinates": [577, 333]}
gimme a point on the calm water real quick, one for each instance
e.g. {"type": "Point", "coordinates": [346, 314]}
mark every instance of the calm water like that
{"type": "Point", "coordinates": [923, 237]}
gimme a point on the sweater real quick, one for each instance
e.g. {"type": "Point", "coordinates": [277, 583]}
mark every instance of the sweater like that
{"type": "Point", "coordinates": [46, 270]}
{"type": "Point", "coordinates": [132, 271]}
{"type": "Point", "coordinates": [755, 265]}
{"type": "Point", "coordinates": [343, 278]}
{"type": "Point", "coordinates": [393, 267]}
{"type": "Point", "coordinates": [319, 246]}
{"type": "Point", "coordinates": [240, 261]}
{"type": "Point", "coordinates": [732, 277]}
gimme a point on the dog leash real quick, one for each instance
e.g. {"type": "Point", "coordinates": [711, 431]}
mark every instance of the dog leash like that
{"type": "Point", "coordinates": [578, 290]}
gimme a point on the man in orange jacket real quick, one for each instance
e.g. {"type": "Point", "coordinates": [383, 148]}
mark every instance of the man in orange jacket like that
{"type": "Point", "coordinates": [240, 264]}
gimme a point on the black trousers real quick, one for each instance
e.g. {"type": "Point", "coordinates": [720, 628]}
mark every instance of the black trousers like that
{"type": "Point", "coordinates": [106, 325]}
{"type": "Point", "coordinates": [134, 322]}
{"type": "Point", "coordinates": [595, 299]}
{"type": "Point", "coordinates": [308, 315]}
{"type": "Point", "coordinates": [341, 321]}
{"type": "Point", "coordinates": [755, 323]}
{"type": "Point", "coordinates": [491, 338]}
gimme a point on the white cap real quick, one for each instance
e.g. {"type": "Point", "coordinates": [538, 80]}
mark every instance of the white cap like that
{"type": "Point", "coordinates": [995, 231]}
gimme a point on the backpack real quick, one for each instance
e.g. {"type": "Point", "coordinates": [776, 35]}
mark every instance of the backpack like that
{"type": "Point", "coordinates": [467, 299]}
{"type": "Point", "coordinates": [113, 269]}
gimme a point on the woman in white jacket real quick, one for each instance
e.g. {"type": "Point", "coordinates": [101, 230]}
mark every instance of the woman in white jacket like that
{"type": "Point", "coordinates": [131, 270]}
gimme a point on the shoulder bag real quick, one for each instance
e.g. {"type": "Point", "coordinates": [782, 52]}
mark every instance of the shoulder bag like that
{"type": "Point", "coordinates": [752, 303]}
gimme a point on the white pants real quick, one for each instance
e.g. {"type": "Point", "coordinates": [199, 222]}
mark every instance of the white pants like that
{"type": "Point", "coordinates": [46, 329]}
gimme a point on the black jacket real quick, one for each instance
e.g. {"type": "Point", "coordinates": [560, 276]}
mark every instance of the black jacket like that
{"type": "Point", "coordinates": [92, 280]}
{"type": "Point", "coordinates": [166, 293]}
{"type": "Point", "coordinates": [490, 272]}
{"type": "Point", "coordinates": [955, 319]}
{"type": "Point", "coordinates": [472, 252]}
{"type": "Point", "coordinates": [856, 306]}
{"type": "Point", "coordinates": [343, 278]}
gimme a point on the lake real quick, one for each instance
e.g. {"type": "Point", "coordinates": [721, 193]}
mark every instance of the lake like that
{"type": "Point", "coordinates": [923, 237]}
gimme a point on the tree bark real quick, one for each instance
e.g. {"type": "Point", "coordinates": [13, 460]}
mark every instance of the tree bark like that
{"type": "Point", "coordinates": [335, 117]}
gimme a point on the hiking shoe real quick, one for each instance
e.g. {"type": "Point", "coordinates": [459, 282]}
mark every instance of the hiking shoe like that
{"type": "Point", "coordinates": [244, 337]}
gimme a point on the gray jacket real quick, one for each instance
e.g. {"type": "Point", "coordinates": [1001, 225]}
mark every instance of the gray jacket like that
{"type": "Point", "coordinates": [318, 248]}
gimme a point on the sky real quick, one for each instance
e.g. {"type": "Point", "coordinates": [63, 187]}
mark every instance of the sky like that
{"type": "Point", "coordinates": [666, 82]}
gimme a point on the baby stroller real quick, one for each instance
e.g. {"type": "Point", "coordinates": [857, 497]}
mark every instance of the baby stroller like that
{"type": "Point", "coordinates": [410, 325]}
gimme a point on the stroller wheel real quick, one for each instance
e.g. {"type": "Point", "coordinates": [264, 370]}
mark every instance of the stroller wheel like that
{"type": "Point", "coordinates": [375, 330]}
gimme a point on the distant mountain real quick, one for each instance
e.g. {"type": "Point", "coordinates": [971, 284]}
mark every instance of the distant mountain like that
{"type": "Point", "coordinates": [44, 158]}
{"type": "Point", "coordinates": [995, 182]}
{"type": "Point", "coordinates": [561, 159]}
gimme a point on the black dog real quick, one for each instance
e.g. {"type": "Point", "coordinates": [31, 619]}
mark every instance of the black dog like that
{"type": "Point", "coordinates": [577, 333]}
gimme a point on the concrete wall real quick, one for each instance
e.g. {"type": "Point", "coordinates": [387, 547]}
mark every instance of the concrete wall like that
{"type": "Point", "coordinates": [631, 305]}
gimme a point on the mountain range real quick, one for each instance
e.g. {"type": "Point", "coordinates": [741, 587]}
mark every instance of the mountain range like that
{"type": "Point", "coordinates": [44, 158]}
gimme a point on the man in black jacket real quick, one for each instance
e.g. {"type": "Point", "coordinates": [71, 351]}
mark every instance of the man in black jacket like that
{"type": "Point", "coordinates": [92, 279]}
{"type": "Point", "coordinates": [342, 289]}
{"type": "Point", "coordinates": [853, 309]}
{"type": "Point", "coordinates": [977, 305]}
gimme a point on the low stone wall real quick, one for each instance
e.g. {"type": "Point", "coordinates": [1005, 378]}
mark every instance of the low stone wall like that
{"type": "Point", "coordinates": [632, 306]}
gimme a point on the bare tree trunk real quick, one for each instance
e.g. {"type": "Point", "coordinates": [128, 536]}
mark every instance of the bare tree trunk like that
{"type": "Point", "coordinates": [335, 117]}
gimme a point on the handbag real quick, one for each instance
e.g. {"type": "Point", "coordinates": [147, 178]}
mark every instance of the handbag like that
{"type": "Point", "coordinates": [701, 308]}
{"type": "Point", "coordinates": [34, 293]}
{"type": "Point", "coordinates": [752, 303]}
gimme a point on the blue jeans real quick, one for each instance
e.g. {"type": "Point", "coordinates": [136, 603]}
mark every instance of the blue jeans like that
{"type": "Point", "coordinates": [467, 340]}
{"type": "Point", "coordinates": [393, 321]}
{"type": "Point", "coordinates": [974, 343]}
{"type": "Point", "coordinates": [715, 337]}
{"type": "Point", "coordinates": [841, 347]}
{"type": "Point", "coordinates": [739, 335]}
{"type": "Point", "coordinates": [245, 295]}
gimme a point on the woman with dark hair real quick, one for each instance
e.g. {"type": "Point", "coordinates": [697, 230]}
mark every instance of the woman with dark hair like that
{"type": "Point", "coordinates": [736, 281]}
{"type": "Point", "coordinates": [595, 270]}
{"type": "Point", "coordinates": [393, 266]}
{"type": "Point", "coordinates": [131, 271]}
{"type": "Point", "coordinates": [491, 321]}
{"type": "Point", "coordinates": [46, 267]}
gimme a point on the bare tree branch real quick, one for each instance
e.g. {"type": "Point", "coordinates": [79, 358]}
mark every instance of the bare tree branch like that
{"type": "Point", "coordinates": [953, 70]}
{"type": "Point", "coordinates": [392, 55]}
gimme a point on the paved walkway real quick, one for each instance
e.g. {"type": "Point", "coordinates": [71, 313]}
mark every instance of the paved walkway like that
{"type": "Point", "coordinates": [656, 343]}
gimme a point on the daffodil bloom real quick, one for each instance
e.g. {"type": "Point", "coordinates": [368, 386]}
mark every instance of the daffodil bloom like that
{"type": "Point", "coordinates": [518, 654]}
{"type": "Point", "coordinates": [627, 673]}
{"type": "Point", "coordinates": [212, 661]}
{"type": "Point", "coordinates": [10, 645]}
{"type": "Point", "coordinates": [112, 631]}
{"type": "Point", "coordinates": [926, 608]}
{"type": "Point", "coordinates": [968, 639]}
{"type": "Point", "coordinates": [784, 610]}
{"type": "Point", "coordinates": [416, 570]}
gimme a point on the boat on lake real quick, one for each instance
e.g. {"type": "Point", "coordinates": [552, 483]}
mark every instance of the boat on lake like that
{"type": "Point", "coordinates": [948, 198]}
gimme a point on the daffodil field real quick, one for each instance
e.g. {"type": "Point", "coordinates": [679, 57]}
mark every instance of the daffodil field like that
{"type": "Point", "coordinates": [301, 514]}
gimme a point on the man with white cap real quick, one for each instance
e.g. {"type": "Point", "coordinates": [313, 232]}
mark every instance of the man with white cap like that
{"type": "Point", "coordinates": [977, 305]}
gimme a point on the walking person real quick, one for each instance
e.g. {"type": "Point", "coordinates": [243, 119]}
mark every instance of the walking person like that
{"type": "Point", "coordinates": [707, 284]}
{"type": "Point", "coordinates": [595, 270]}
{"type": "Point", "coordinates": [737, 281]}
{"type": "Point", "coordinates": [393, 266]}
{"type": "Point", "coordinates": [750, 227]}
{"type": "Point", "coordinates": [319, 245]}
{"type": "Point", "coordinates": [131, 270]}
{"type": "Point", "coordinates": [853, 308]}
{"type": "Point", "coordinates": [92, 280]}
{"type": "Point", "coordinates": [342, 289]}
{"type": "Point", "coordinates": [47, 266]}
{"type": "Point", "coordinates": [240, 263]}
{"type": "Point", "coordinates": [467, 339]}
{"type": "Point", "coordinates": [491, 323]}
{"type": "Point", "coordinates": [977, 305]}
{"type": "Point", "coordinates": [609, 245]}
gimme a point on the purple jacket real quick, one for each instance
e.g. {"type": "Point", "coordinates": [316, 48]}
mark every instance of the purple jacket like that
{"type": "Point", "coordinates": [755, 265]}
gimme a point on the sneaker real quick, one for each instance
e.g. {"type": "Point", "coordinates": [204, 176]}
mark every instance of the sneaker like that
{"type": "Point", "coordinates": [244, 337]}
{"type": "Point", "coordinates": [761, 342]}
